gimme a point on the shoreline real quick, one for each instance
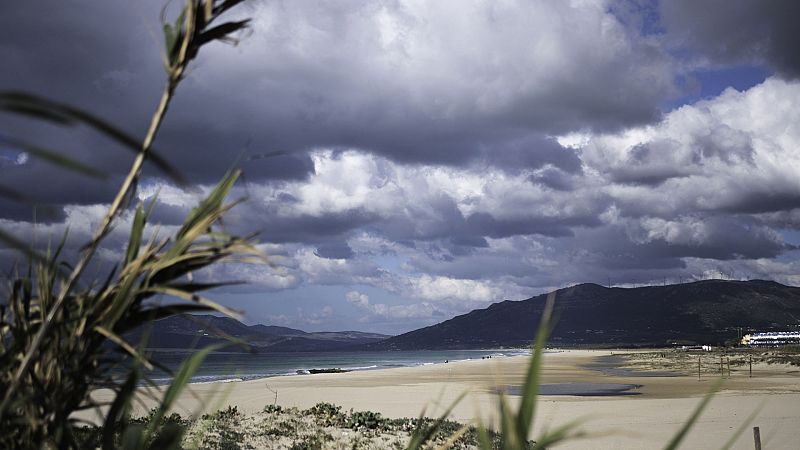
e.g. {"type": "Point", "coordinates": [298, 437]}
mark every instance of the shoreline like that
{"type": "Point", "coordinates": [310, 369]}
{"type": "Point", "coordinates": [342, 366]}
{"type": "Point", "coordinates": [662, 405]}
{"type": "Point", "coordinates": [496, 354]}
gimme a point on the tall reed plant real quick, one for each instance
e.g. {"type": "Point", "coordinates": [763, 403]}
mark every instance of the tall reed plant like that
{"type": "Point", "coordinates": [62, 330]}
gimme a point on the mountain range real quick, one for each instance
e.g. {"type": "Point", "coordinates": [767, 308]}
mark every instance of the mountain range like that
{"type": "Point", "coordinates": [586, 315]}
{"type": "Point", "coordinates": [197, 331]}
{"type": "Point", "coordinates": [703, 312]}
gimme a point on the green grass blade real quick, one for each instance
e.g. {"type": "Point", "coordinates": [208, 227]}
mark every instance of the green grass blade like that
{"type": "Point", "coordinates": [508, 426]}
{"type": "Point", "coordinates": [222, 32]}
{"type": "Point", "coordinates": [187, 369]}
{"type": "Point", "coordinates": [561, 433]}
{"type": "Point", "coordinates": [211, 203]}
{"type": "Point", "coordinates": [135, 241]}
{"type": "Point", "coordinates": [125, 346]}
{"type": "Point", "coordinates": [123, 297]}
{"type": "Point", "coordinates": [484, 441]}
{"type": "Point", "coordinates": [117, 411]}
{"type": "Point", "coordinates": [742, 428]}
{"type": "Point", "coordinates": [224, 6]}
{"type": "Point", "coordinates": [681, 434]}
{"type": "Point", "coordinates": [422, 435]}
{"type": "Point", "coordinates": [530, 391]}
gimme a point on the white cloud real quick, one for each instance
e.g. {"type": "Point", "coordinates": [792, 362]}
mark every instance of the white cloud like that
{"type": "Point", "coordinates": [422, 310]}
{"type": "Point", "coordinates": [358, 299]}
{"type": "Point", "coordinates": [444, 288]}
{"type": "Point", "coordinates": [733, 153]}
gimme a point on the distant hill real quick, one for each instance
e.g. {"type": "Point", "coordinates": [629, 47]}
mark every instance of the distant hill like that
{"type": "Point", "coordinates": [703, 312]}
{"type": "Point", "coordinates": [197, 331]}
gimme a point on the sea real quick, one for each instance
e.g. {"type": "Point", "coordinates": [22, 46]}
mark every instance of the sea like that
{"type": "Point", "coordinates": [234, 367]}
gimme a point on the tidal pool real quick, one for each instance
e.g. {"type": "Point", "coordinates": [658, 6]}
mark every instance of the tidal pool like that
{"type": "Point", "coordinates": [582, 389]}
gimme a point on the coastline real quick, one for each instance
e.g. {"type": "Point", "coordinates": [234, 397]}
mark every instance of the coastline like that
{"type": "Point", "coordinates": [660, 407]}
{"type": "Point", "coordinates": [234, 367]}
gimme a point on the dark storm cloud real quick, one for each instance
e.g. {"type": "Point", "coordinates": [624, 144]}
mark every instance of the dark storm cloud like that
{"type": "Point", "coordinates": [334, 250]}
{"type": "Point", "coordinates": [649, 164]}
{"type": "Point", "coordinates": [108, 63]}
{"type": "Point", "coordinates": [553, 179]}
{"type": "Point", "coordinates": [628, 251]}
{"type": "Point", "coordinates": [477, 265]}
{"type": "Point", "coordinates": [348, 75]}
{"type": "Point", "coordinates": [469, 241]}
{"type": "Point", "coordinates": [104, 60]}
{"type": "Point", "coordinates": [206, 135]}
{"type": "Point", "coordinates": [488, 225]}
{"type": "Point", "coordinates": [312, 229]}
{"type": "Point", "coordinates": [532, 153]}
{"type": "Point", "coordinates": [166, 214]}
{"type": "Point", "coordinates": [738, 31]}
{"type": "Point", "coordinates": [640, 255]}
{"type": "Point", "coordinates": [767, 201]}
{"type": "Point", "coordinates": [41, 191]}
{"type": "Point", "coordinates": [397, 80]}
{"type": "Point", "coordinates": [28, 211]}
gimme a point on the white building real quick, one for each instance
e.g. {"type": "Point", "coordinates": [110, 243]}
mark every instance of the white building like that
{"type": "Point", "coordinates": [771, 339]}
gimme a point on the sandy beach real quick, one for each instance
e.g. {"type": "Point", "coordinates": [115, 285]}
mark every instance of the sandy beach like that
{"type": "Point", "coordinates": [644, 416]}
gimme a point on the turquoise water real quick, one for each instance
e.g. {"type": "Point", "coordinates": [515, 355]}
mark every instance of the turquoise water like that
{"type": "Point", "coordinates": [245, 366]}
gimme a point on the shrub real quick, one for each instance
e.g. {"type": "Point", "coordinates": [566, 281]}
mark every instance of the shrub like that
{"type": "Point", "coordinates": [364, 420]}
{"type": "Point", "coordinates": [327, 414]}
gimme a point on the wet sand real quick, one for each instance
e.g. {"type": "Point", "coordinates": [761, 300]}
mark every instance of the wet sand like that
{"type": "Point", "coordinates": [663, 400]}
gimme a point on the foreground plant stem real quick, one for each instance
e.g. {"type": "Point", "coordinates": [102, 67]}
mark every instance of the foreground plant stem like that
{"type": "Point", "coordinates": [175, 72]}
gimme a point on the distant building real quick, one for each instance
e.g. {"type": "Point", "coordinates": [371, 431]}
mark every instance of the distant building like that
{"type": "Point", "coordinates": [705, 348]}
{"type": "Point", "coordinates": [771, 339]}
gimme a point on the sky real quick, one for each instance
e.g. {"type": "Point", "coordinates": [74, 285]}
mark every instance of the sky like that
{"type": "Point", "coordinates": [435, 157]}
